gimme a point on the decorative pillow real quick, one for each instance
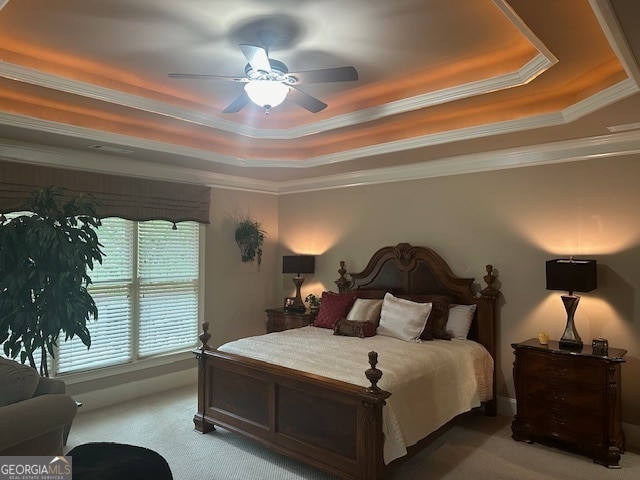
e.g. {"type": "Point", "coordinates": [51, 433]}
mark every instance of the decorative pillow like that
{"type": "Point", "coordinates": [353, 328]}
{"type": "Point", "coordinates": [460, 318]}
{"type": "Point", "coordinates": [437, 320]}
{"type": "Point", "coordinates": [402, 319]}
{"type": "Point", "coordinates": [332, 307]}
{"type": "Point", "coordinates": [366, 310]}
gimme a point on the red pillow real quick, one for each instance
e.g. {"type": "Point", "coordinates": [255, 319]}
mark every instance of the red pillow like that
{"type": "Point", "coordinates": [332, 307]}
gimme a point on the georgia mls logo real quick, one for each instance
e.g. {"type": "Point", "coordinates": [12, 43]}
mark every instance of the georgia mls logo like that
{"type": "Point", "coordinates": [35, 468]}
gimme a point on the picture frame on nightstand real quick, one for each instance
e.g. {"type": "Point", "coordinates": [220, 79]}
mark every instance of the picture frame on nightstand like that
{"type": "Point", "coordinates": [288, 304]}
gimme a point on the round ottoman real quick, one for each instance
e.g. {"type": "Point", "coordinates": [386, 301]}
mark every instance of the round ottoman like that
{"type": "Point", "coordinates": [117, 461]}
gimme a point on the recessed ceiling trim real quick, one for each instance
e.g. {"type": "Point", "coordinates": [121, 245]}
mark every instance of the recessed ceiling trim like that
{"type": "Point", "coordinates": [113, 138]}
{"type": "Point", "coordinates": [515, 19]}
{"type": "Point", "coordinates": [536, 66]}
{"type": "Point", "coordinates": [113, 164]}
{"type": "Point", "coordinates": [602, 99]}
{"type": "Point", "coordinates": [597, 101]}
{"type": "Point", "coordinates": [627, 143]}
{"type": "Point", "coordinates": [615, 36]}
{"type": "Point", "coordinates": [544, 154]}
{"type": "Point", "coordinates": [532, 69]}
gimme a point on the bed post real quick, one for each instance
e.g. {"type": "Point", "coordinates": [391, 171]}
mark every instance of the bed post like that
{"type": "Point", "coordinates": [343, 283]}
{"type": "Point", "coordinates": [373, 399]}
{"type": "Point", "coordinates": [198, 419]}
{"type": "Point", "coordinates": [487, 331]}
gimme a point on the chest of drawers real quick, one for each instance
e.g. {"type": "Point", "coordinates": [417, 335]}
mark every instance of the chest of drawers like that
{"type": "Point", "coordinates": [569, 396]}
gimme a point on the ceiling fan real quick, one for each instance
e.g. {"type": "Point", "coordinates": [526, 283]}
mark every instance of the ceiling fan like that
{"type": "Point", "coordinates": [268, 82]}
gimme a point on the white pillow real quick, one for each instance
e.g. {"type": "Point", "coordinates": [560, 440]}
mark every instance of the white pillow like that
{"type": "Point", "coordinates": [402, 319]}
{"type": "Point", "coordinates": [459, 322]}
{"type": "Point", "coordinates": [366, 310]}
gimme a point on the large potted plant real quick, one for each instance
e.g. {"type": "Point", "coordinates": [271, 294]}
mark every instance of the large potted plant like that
{"type": "Point", "coordinates": [44, 259]}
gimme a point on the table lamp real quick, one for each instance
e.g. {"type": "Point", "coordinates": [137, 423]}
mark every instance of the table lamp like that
{"type": "Point", "coordinates": [572, 276]}
{"type": "Point", "coordinates": [298, 264]}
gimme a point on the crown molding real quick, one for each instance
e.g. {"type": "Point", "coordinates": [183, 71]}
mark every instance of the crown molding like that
{"type": "Point", "coordinates": [591, 104]}
{"type": "Point", "coordinates": [627, 143]}
{"type": "Point", "coordinates": [117, 165]}
{"type": "Point", "coordinates": [557, 152]}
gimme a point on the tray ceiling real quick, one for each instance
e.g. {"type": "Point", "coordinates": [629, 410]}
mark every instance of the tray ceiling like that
{"type": "Point", "coordinates": [437, 79]}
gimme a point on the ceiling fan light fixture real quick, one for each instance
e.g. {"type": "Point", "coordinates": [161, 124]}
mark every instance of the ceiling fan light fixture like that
{"type": "Point", "coordinates": [266, 93]}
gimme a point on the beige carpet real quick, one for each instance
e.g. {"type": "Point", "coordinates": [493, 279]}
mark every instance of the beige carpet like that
{"type": "Point", "coordinates": [478, 448]}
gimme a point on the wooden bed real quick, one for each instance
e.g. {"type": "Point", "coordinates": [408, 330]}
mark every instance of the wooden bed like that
{"type": "Point", "coordinates": [329, 424]}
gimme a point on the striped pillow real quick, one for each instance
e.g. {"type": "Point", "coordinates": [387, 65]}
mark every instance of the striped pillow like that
{"type": "Point", "coordinates": [403, 319]}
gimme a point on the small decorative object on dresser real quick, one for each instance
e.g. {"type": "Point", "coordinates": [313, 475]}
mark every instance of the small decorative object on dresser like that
{"type": "Point", "coordinates": [314, 302]}
{"type": "Point", "coordinates": [571, 396]}
{"type": "Point", "coordinates": [279, 319]}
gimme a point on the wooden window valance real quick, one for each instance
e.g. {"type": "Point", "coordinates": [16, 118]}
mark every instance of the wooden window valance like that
{"type": "Point", "coordinates": [131, 198]}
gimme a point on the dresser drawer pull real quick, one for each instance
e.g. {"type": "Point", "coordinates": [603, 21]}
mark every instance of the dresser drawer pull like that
{"type": "Point", "coordinates": [558, 421]}
{"type": "Point", "coordinates": [559, 372]}
{"type": "Point", "coordinates": [559, 396]}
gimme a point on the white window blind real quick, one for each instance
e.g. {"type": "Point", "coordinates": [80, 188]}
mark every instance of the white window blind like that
{"type": "Point", "coordinates": [146, 291]}
{"type": "Point", "coordinates": [168, 293]}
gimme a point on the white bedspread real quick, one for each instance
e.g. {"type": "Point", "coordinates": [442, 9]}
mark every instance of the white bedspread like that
{"type": "Point", "coordinates": [430, 382]}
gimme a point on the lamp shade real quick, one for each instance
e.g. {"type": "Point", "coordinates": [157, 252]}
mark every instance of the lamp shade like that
{"type": "Point", "coordinates": [298, 264]}
{"type": "Point", "coordinates": [571, 275]}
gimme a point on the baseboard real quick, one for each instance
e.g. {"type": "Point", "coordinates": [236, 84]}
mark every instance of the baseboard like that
{"type": "Point", "coordinates": [132, 390]}
{"type": "Point", "coordinates": [507, 407]}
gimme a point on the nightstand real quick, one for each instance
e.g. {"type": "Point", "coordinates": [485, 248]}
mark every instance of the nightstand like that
{"type": "Point", "coordinates": [569, 396]}
{"type": "Point", "coordinates": [278, 319]}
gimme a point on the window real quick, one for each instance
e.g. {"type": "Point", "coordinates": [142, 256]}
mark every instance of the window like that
{"type": "Point", "coordinates": [146, 291]}
{"type": "Point", "coordinates": [147, 294]}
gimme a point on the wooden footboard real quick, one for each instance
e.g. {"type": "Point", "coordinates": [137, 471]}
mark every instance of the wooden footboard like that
{"type": "Point", "coordinates": [331, 425]}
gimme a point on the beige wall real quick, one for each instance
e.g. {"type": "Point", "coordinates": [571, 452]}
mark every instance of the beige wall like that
{"type": "Point", "coordinates": [515, 219]}
{"type": "Point", "coordinates": [237, 293]}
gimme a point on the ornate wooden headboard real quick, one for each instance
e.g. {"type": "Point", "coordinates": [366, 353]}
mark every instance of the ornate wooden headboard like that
{"type": "Point", "coordinates": [409, 270]}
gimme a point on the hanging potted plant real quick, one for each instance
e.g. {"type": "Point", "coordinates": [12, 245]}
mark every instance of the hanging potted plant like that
{"type": "Point", "coordinates": [250, 237]}
{"type": "Point", "coordinates": [44, 259]}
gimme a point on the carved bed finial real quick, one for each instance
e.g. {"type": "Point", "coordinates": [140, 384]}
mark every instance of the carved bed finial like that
{"type": "Point", "coordinates": [373, 374]}
{"type": "Point", "coordinates": [205, 336]}
{"type": "Point", "coordinates": [490, 291]}
{"type": "Point", "coordinates": [342, 282]}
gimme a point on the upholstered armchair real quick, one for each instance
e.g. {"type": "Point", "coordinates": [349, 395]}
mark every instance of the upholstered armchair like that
{"type": "Point", "coordinates": [34, 411]}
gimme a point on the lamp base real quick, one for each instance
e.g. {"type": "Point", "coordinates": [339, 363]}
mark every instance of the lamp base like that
{"type": "Point", "coordinates": [570, 339]}
{"type": "Point", "coordinates": [570, 345]}
{"type": "Point", "coordinates": [298, 304]}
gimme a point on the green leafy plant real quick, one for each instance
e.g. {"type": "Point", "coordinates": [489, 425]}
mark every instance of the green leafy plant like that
{"type": "Point", "coordinates": [44, 258]}
{"type": "Point", "coordinates": [250, 238]}
{"type": "Point", "coordinates": [313, 301]}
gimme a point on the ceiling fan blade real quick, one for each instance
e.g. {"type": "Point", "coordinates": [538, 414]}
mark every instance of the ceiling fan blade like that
{"type": "Point", "coordinates": [204, 76]}
{"type": "Point", "coordinates": [257, 58]}
{"type": "Point", "coordinates": [339, 74]}
{"type": "Point", "coordinates": [305, 100]}
{"type": "Point", "coordinates": [238, 104]}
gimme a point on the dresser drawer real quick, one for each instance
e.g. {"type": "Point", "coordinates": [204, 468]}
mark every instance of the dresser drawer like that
{"type": "Point", "coordinates": [568, 370]}
{"type": "Point", "coordinates": [570, 396]}
{"type": "Point", "coordinates": [563, 394]}
{"type": "Point", "coordinates": [563, 421]}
